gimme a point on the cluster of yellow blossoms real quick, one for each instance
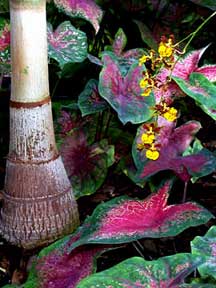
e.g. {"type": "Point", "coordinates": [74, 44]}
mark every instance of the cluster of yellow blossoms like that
{"type": "Point", "coordinates": [148, 142]}
{"type": "Point", "coordinates": [153, 62]}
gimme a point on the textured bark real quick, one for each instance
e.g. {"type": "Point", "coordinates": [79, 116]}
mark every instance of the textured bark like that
{"type": "Point", "coordinates": [38, 202]}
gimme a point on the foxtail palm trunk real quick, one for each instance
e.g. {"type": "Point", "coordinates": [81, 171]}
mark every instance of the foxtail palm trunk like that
{"type": "Point", "coordinates": [38, 202]}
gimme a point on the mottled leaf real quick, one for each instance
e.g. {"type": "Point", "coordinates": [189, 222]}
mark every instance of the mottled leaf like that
{"type": "Point", "coordinates": [86, 9]}
{"type": "Point", "coordinates": [66, 44]}
{"type": "Point", "coordinates": [121, 89]}
{"type": "Point", "coordinates": [206, 246]}
{"type": "Point", "coordinates": [86, 165]}
{"type": "Point", "coordinates": [164, 272]}
{"type": "Point", "coordinates": [56, 268]}
{"type": "Point", "coordinates": [200, 89]}
{"type": "Point", "coordinates": [206, 3]}
{"type": "Point", "coordinates": [125, 219]}
{"type": "Point", "coordinates": [90, 101]}
{"type": "Point", "coordinates": [173, 142]}
{"type": "Point", "coordinates": [4, 48]}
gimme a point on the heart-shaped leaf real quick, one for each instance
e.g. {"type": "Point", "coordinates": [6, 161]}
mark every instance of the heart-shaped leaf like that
{"type": "Point", "coordinates": [201, 90]}
{"type": "Point", "coordinates": [55, 268]}
{"type": "Point", "coordinates": [121, 89]}
{"type": "Point", "coordinates": [124, 219]}
{"type": "Point", "coordinates": [90, 101]}
{"type": "Point", "coordinates": [206, 246]}
{"type": "Point", "coordinates": [66, 44]}
{"type": "Point", "coordinates": [173, 142]}
{"type": "Point", "coordinates": [86, 9]}
{"type": "Point", "coordinates": [164, 272]}
{"type": "Point", "coordinates": [119, 42]}
{"type": "Point", "coordinates": [86, 165]}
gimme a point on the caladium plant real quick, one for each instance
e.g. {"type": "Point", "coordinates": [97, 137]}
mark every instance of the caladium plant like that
{"type": "Point", "coordinates": [66, 262]}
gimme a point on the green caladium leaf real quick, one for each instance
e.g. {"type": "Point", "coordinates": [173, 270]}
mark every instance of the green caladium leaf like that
{"type": "Point", "coordinates": [206, 246]}
{"type": "Point", "coordinates": [90, 101]}
{"type": "Point", "coordinates": [66, 44]}
{"type": "Point", "coordinates": [86, 9]}
{"type": "Point", "coordinates": [164, 272]}
{"type": "Point", "coordinates": [86, 165]}
{"type": "Point", "coordinates": [206, 3]}
{"type": "Point", "coordinates": [125, 219]}
{"type": "Point", "coordinates": [119, 85]}
{"type": "Point", "coordinates": [201, 90]}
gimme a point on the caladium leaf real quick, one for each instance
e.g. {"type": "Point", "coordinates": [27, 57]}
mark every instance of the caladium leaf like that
{"type": "Point", "coordinates": [119, 42]}
{"type": "Point", "coordinates": [164, 272]}
{"type": "Point", "coordinates": [121, 89]}
{"type": "Point", "coordinates": [55, 268]}
{"type": "Point", "coordinates": [90, 101]}
{"type": "Point", "coordinates": [206, 3]}
{"type": "Point", "coordinates": [201, 90]}
{"type": "Point", "coordinates": [66, 44]}
{"type": "Point", "coordinates": [125, 219]}
{"type": "Point", "coordinates": [206, 246]}
{"type": "Point", "coordinates": [182, 69]}
{"type": "Point", "coordinates": [173, 142]}
{"type": "Point", "coordinates": [86, 165]}
{"type": "Point", "coordinates": [86, 9]}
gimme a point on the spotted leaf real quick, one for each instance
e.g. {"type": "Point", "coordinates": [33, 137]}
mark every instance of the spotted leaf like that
{"type": "Point", "coordinates": [86, 9]}
{"type": "Point", "coordinates": [120, 87]}
{"type": "Point", "coordinates": [173, 142]}
{"type": "Point", "coordinates": [125, 219]}
{"type": "Point", "coordinates": [164, 272]}
{"type": "Point", "coordinates": [206, 246]}
{"type": "Point", "coordinates": [90, 101]}
{"type": "Point", "coordinates": [66, 44]}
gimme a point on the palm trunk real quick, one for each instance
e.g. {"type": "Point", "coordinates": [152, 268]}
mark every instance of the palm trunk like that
{"type": "Point", "coordinates": [38, 202]}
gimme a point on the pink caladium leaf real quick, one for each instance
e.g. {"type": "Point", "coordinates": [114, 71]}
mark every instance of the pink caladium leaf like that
{"type": "Point", "coordinates": [169, 271]}
{"type": "Point", "coordinates": [86, 9]}
{"type": "Point", "coordinates": [119, 85]}
{"type": "Point", "coordinates": [5, 49]}
{"type": "Point", "coordinates": [206, 247]}
{"type": "Point", "coordinates": [125, 219]}
{"type": "Point", "coordinates": [172, 143]}
{"type": "Point", "coordinates": [56, 268]}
